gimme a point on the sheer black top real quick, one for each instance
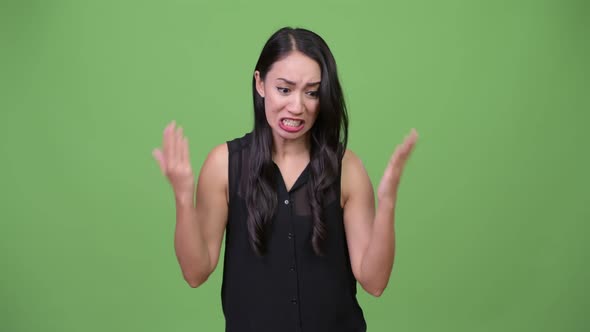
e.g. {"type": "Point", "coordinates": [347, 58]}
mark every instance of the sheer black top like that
{"type": "Point", "coordinates": [290, 288]}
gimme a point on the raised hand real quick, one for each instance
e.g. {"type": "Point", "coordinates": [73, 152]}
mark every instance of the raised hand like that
{"type": "Point", "coordinates": [174, 161]}
{"type": "Point", "coordinates": [389, 183]}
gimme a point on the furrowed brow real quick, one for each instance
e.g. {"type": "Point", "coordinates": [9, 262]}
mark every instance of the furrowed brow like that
{"type": "Point", "coordinates": [293, 83]}
{"type": "Point", "coordinates": [286, 80]}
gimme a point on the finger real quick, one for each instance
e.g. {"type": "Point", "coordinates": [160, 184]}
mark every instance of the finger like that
{"type": "Point", "coordinates": [396, 155]}
{"type": "Point", "coordinates": [172, 135]}
{"type": "Point", "coordinates": [157, 153]}
{"type": "Point", "coordinates": [413, 137]}
{"type": "Point", "coordinates": [399, 157]}
{"type": "Point", "coordinates": [406, 152]}
{"type": "Point", "coordinates": [183, 152]}
{"type": "Point", "coordinates": [409, 142]}
{"type": "Point", "coordinates": [180, 141]}
{"type": "Point", "coordinates": [167, 144]}
{"type": "Point", "coordinates": [178, 151]}
{"type": "Point", "coordinates": [186, 152]}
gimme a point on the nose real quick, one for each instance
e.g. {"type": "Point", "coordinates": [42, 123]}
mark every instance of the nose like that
{"type": "Point", "coordinates": [296, 105]}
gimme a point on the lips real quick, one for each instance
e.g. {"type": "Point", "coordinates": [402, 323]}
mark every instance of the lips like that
{"type": "Point", "coordinates": [291, 125]}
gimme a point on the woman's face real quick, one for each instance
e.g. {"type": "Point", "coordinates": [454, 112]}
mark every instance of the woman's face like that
{"type": "Point", "coordinates": [291, 97]}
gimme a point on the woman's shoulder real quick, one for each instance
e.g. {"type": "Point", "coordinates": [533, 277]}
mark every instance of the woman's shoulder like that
{"type": "Point", "coordinates": [216, 162]}
{"type": "Point", "coordinates": [239, 143]}
{"type": "Point", "coordinates": [352, 168]}
{"type": "Point", "coordinates": [351, 161]}
{"type": "Point", "coordinates": [219, 154]}
{"type": "Point", "coordinates": [354, 175]}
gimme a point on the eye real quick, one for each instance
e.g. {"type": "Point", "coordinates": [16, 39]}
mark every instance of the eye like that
{"type": "Point", "coordinates": [313, 94]}
{"type": "Point", "coordinates": [283, 91]}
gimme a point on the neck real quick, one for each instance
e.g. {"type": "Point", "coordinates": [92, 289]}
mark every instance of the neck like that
{"type": "Point", "coordinates": [287, 149]}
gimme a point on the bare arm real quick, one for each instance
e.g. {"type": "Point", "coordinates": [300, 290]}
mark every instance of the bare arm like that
{"type": "Point", "coordinates": [200, 226]}
{"type": "Point", "coordinates": [370, 232]}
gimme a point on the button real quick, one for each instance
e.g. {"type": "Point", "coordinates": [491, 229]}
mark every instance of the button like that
{"type": "Point", "coordinates": [292, 269]}
{"type": "Point", "coordinates": [286, 202]}
{"type": "Point", "coordinates": [294, 301]}
{"type": "Point", "coordinates": [290, 235]}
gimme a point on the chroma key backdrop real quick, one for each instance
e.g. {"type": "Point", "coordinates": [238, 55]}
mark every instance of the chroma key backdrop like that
{"type": "Point", "coordinates": [493, 214]}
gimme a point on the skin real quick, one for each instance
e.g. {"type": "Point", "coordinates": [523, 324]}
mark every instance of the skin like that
{"type": "Point", "coordinates": [289, 91]}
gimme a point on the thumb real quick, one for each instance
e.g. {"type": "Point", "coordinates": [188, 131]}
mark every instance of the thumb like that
{"type": "Point", "coordinates": [157, 153]}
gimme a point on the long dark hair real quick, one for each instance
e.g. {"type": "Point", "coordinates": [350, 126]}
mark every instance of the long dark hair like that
{"type": "Point", "coordinates": [329, 136]}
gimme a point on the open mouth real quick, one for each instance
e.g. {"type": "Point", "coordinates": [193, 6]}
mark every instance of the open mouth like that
{"type": "Point", "coordinates": [291, 125]}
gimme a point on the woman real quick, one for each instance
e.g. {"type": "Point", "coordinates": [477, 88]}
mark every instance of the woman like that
{"type": "Point", "coordinates": [296, 206]}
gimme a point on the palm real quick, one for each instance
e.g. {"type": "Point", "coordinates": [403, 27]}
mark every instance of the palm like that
{"type": "Point", "coordinates": [174, 161]}
{"type": "Point", "coordinates": [393, 171]}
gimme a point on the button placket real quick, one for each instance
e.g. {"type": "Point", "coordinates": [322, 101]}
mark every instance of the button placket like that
{"type": "Point", "coordinates": [292, 267]}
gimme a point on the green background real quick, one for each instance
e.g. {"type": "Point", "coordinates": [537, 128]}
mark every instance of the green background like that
{"type": "Point", "coordinates": [493, 213]}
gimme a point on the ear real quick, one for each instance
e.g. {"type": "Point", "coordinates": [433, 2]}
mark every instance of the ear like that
{"type": "Point", "coordinates": [259, 83]}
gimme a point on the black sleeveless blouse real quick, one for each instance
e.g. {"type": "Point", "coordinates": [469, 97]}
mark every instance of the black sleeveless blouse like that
{"type": "Point", "coordinates": [290, 288]}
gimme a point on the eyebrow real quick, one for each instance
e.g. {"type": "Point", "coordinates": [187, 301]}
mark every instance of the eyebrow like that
{"type": "Point", "coordinates": [293, 83]}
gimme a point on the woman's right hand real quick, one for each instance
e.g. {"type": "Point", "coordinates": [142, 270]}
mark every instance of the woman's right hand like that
{"type": "Point", "coordinates": [174, 162]}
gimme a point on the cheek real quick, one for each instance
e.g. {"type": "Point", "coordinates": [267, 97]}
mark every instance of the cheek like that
{"type": "Point", "coordinates": [272, 104]}
{"type": "Point", "coordinates": [272, 108]}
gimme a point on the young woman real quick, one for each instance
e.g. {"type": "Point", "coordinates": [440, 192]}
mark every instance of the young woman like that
{"type": "Point", "coordinates": [297, 207]}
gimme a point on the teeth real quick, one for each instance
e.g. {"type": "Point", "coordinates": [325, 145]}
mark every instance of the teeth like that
{"type": "Point", "coordinates": [291, 123]}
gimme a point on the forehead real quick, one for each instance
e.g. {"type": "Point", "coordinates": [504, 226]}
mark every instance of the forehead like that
{"type": "Point", "coordinates": [296, 67]}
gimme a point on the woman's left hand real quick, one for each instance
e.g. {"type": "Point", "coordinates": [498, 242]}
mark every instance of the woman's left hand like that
{"type": "Point", "coordinates": [388, 187]}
